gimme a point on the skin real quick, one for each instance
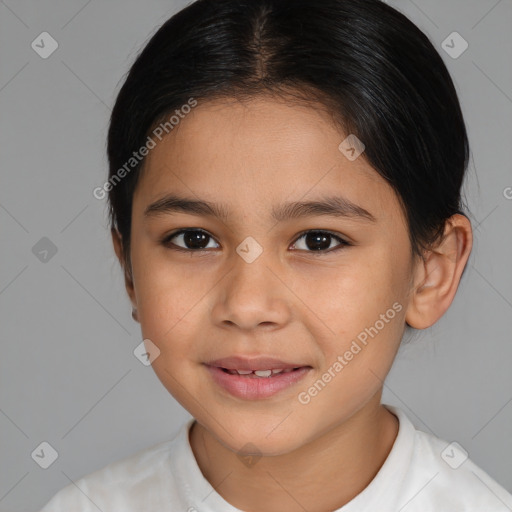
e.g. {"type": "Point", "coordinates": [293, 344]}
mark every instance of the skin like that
{"type": "Point", "coordinates": [292, 303]}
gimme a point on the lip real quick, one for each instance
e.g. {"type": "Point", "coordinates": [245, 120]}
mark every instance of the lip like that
{"type": "Point", "coordinates": [251, 387]}
{"type": "Point", "coordinates": [255, 363]}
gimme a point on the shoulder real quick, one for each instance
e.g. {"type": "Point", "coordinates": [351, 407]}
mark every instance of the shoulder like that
{"type": "Point", "coordinates": [442, 477]}
{"type": "Point", "coordinates": [122, 485]}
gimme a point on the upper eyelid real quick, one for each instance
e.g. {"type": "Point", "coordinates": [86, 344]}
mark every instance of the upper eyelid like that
{"type": "Point", "coordinates": [184, 230]}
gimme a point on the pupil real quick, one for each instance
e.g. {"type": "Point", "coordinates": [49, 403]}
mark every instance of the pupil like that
{"type": "Point", "coordinates": [195, 239]}
{"type": "Point", "coordinates": [318, 241]}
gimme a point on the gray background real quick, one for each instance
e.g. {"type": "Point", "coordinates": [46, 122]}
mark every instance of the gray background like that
{"type": "Point", "coordinates": [68, 375]}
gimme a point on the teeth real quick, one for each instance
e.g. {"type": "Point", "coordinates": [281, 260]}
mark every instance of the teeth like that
{"type": "Point", "coordinates": [263, 373]}
{"type": "Point", "coordinates": [260, 373]}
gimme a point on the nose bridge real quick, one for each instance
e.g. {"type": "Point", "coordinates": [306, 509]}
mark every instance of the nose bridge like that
{"type": "Point", "coordinates": [251, 295]}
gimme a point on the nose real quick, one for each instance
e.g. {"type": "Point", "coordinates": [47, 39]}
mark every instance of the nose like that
{"type": "Point", "coordinates": [252, 295]}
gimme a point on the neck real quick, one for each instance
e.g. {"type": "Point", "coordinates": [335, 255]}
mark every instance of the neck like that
{"type": "Point", "coordinates": [354, 451]}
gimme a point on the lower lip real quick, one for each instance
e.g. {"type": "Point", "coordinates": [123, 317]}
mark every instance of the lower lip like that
{"type": "Point", "coordinates": [255, 388]}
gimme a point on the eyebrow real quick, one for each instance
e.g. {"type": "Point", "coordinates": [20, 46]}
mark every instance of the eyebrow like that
{"type": "Point", "coordinates": [334, 206]}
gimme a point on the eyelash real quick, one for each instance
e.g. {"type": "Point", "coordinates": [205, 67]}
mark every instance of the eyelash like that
{"type": "Point", "coordinates": [166, 241]}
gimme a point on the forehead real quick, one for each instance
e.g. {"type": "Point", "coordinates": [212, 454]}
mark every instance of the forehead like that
{"type": "Point", "coordinates": [259, 151]}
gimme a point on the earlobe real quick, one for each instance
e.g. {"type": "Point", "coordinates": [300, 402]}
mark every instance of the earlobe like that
{"type": "Point", "coordinates": [437, 275]}
{"type": "Point", "coordinates": [128, 280]}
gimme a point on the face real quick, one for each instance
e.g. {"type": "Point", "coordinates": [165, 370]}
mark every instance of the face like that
{"type": "Point", "coordinates": [317, 288]}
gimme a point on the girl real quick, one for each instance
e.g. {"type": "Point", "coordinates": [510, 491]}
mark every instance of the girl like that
{"type": "Point", "coordinates": [284, 194]}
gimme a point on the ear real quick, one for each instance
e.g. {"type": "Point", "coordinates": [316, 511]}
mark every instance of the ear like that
{"type": "Point", "coordinates": [128, 279]}
{"type": "Point", "coordinates": [437, 275]}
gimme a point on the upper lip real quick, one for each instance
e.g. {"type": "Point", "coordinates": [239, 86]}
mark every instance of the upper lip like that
{"type": "Point", "coordinates": [253, 364]}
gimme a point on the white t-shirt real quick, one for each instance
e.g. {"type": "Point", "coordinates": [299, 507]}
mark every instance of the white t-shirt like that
{"type": "Point", "coordinates": [421, 474]}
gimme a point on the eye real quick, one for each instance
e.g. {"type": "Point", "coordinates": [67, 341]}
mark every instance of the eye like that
{"type": "Point", "coordinates": [192, 239]}
{"type": "Point", "coordinates": [320, 241]}
{"type": "Point", "coordinates": [196, 240]}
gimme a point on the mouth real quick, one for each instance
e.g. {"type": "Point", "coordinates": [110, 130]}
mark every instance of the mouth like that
{"type": "Point", "coordinates": [253, 364]}
{"type": "Point", "coordinates": [255, 379]}
{"type": "Point", "coordinates": [258, 374]}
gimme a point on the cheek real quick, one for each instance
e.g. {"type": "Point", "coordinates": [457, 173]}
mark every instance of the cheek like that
{"type": "Point", "coordinates": [363, 303]}
{"type": "Point", "coordinates": [168, 305]}
{"type": "Point", "coordinates": [167, 299]}
{"type": "Point", "coordinates": [353, 294]}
